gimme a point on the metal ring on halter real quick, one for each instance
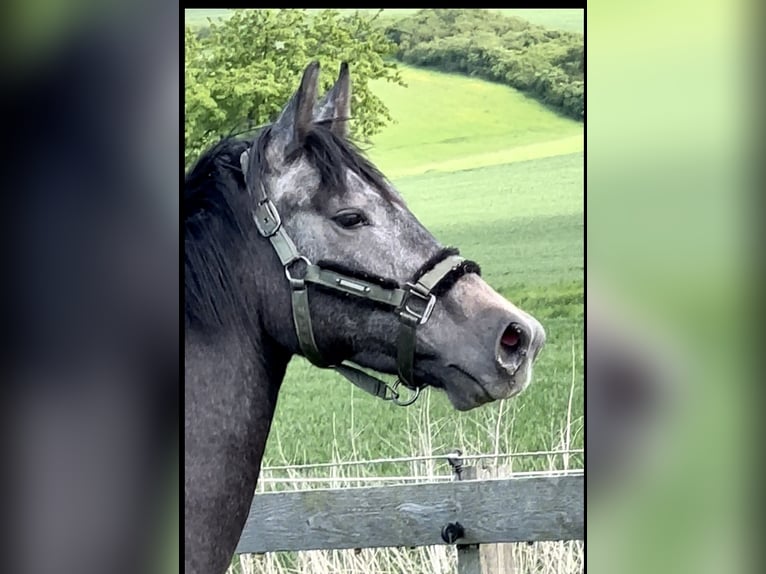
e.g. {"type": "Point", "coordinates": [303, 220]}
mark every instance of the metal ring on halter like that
{"type": "Point", "coordinates": [296, 283]}
{"type": "Point", "coordinates": [413, 397]}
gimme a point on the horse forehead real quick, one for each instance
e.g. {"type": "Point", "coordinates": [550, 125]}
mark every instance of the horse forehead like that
{"type": "Point", "coordinates": [301, 180]}
{"type": "Point", "coordinates": [295, 183]}
{"type": "Point", "coordinates": [384, 198]}
{"type": "Point", "coordinates": [356, 184]}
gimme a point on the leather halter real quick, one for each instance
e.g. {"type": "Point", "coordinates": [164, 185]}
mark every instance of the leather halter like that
{"type": "Point", "coordinates": [412, 304]}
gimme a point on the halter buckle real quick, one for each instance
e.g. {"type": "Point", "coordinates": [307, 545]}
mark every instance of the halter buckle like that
{"type": "Point", "coordinates": [407, 313]}
{"type": "Point", "coordinates": [267, 218]}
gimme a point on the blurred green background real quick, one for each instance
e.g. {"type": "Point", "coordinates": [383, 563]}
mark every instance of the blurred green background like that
{"type": "Point", "coordinates": [670, 107]}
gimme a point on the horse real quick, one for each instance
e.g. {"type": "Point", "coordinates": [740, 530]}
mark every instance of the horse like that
{"type": "Point", "coordinates": [296, 244]}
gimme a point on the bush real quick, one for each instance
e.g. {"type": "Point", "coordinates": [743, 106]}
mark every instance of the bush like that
{"type": "Point", "coordinates": [548, 64]}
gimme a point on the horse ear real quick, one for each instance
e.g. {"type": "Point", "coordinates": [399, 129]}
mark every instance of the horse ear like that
{"type": "Point", "coordinates": [336, 104]}
{"type": "Point", "coordinates": [296, 118]}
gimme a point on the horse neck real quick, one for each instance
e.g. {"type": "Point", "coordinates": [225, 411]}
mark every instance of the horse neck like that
{"type": "Point", "coordinates": [232, 382]}
{"type": "Point", "coordinates": [231, 392]}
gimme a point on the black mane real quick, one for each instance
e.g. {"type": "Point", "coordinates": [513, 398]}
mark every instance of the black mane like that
{"type": "Point", "coordinates": [217, 213]}
{"type": "Point", "coordinates": [212, 225]}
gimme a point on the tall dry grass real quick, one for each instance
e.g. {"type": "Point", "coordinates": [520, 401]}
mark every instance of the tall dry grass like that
{"type": "Point", "coordinates": [539, 557]}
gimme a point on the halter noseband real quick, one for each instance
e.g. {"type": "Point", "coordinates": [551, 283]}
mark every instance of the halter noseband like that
{"type": "Point", "coordinates": [412, 304]}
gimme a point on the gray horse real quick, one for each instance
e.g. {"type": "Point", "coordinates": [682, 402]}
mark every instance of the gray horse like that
{"type": "Point", "coordinates": [383, 294]}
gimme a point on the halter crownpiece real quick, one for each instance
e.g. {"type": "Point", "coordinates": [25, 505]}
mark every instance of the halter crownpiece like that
{"type": "Point", "coordinates": [413, 303]}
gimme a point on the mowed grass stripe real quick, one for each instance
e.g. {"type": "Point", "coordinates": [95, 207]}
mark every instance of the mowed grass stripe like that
{"type": "Point", "coordinates": [561, 146]}
{"type": "Point", "coordinates": [544, 187]}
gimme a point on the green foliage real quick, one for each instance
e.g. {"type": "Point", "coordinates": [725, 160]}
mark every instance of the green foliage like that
{"type": "Point", "coordinates": [547, 64]}
{"type": "Point", "coordinates": [242, 70]}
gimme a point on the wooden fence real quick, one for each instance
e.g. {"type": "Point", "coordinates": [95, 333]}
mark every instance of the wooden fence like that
{"type": "Point", "coordinates": [480, 512]}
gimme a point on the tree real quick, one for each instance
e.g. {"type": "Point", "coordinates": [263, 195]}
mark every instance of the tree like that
{"type": "Point", "coordinates": [246, 67]}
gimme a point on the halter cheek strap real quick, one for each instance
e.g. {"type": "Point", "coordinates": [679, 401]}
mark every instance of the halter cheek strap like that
{"type": "Point", "coordinates": [412, 304]}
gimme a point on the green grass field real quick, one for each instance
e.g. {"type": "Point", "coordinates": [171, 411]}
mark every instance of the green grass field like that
{"type": "Point", "coordinates": [460, 155]}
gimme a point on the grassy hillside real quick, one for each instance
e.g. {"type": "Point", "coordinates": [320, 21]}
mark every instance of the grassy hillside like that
{"type": "Point", "coordinates": [449, 122]}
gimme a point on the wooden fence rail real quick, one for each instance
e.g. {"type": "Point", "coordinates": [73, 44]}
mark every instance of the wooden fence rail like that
{"type": "Point", "coordinates": [540, 508]}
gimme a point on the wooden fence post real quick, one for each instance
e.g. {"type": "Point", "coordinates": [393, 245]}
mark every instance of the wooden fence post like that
{"type": "Point", "coordinates": [483, 558]}
{"type": "Point", "coordinates": [468, 559]}
{"type": "Point", "coordinates": [468, 555]}
{"type": "Point", "coordinates": [496, 558]}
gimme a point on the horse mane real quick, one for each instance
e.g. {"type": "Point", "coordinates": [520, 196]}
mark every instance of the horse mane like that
{"type": "Point", "coordinates": [212, 228]}
{"type": "Point", "coordinates": [332, 155]}
{"type": "Point", "coordinates": [217, 214]}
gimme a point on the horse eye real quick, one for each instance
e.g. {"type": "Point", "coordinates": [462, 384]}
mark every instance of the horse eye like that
{"type": "Point", "coordinates": [350, 219]}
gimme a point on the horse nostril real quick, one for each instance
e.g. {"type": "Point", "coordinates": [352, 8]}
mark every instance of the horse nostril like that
{"type": "Point", "coordinates": [511, 338]}
{"type": "Point", "coordinates": [512, 347]}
